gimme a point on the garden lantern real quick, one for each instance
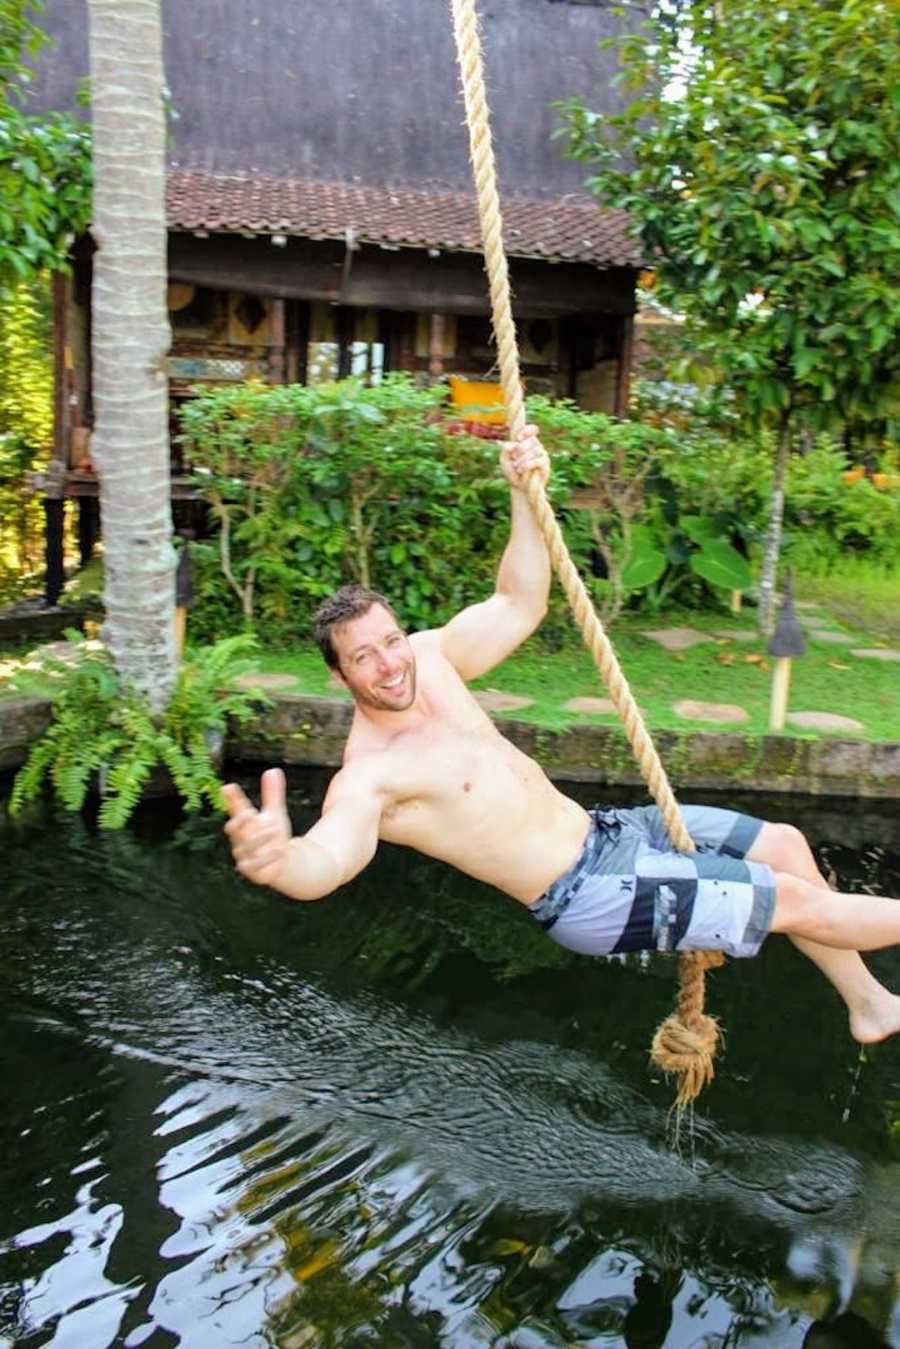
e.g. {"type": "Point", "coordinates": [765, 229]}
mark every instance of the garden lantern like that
{"type": "Point", "coordinates": [788, 641]}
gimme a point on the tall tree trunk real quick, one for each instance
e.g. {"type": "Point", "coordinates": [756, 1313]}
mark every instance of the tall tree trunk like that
{"type": "Point", "coordinates": [773, 533]}
{"type": "Point", "coordinates": [130, 445]}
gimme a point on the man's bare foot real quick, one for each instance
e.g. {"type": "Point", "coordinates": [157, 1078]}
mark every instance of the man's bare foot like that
{"type": "Point", "coordinates": [876, 1019]}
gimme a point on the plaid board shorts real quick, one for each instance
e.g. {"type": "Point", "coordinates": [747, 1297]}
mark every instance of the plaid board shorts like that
{"type": "Point", "coordinates": [629, 891]}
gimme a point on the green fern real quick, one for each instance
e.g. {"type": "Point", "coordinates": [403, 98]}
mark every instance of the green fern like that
{"type": "Point", "coordinates": [101, 729]}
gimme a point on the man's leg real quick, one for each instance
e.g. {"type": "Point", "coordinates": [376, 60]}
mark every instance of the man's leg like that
{"type": "Point", "coordinates": [874, 1012]}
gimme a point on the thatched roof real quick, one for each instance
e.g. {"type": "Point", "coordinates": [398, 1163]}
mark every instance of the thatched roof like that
{"type": "Point", "coordinates": [361, 93]}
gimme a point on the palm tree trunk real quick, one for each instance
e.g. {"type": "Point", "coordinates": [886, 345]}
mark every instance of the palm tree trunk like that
{"type": "Point", "coordinates": [130, 445]}
{"type": "Point", "coordinates": [773, 533]}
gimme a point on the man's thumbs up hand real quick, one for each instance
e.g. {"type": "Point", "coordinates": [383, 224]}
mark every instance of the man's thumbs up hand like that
{"type": "Point", "coordinates": [259, 838]}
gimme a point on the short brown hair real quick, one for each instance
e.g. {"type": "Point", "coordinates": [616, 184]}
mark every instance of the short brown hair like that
{"type": "Point", "coordinates": [343, 606]}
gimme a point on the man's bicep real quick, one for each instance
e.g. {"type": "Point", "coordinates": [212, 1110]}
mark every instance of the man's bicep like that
{"type": "Point", "coordinates": [483, 635]}
{"type": "Point", "coordinates": [349, 824]}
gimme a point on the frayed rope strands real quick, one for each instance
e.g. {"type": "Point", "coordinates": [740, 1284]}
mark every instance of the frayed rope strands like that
{"type": "Point", "coordinates": [685, 1043]}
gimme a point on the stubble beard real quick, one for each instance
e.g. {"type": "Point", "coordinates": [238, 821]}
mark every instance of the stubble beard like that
{"type": "Point", "coordinates": [382, 704]}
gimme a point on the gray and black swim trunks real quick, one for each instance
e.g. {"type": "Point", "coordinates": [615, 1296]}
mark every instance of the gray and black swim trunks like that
{"type": "Point", "coordinates": [629, 891]}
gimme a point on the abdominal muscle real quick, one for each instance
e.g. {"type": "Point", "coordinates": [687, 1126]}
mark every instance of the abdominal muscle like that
{"type": "Point", "coordinates": [477, 802]}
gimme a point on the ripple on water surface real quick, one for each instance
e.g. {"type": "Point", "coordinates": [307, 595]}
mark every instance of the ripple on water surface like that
{"type": "Point", "coordinates": [236, 1121]}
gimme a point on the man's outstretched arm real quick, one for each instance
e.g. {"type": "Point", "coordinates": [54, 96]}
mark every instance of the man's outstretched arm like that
{"type": "Point", "coordinates": [332, 852]}
{"type": "Point", "coordinates": [483, 635]}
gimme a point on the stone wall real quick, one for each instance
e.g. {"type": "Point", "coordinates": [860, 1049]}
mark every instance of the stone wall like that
{"type": "Point", "coordinates": [305, 731]}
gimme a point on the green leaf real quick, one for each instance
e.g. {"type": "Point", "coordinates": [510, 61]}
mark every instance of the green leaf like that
{"type": "Point", "coordinates": [643, 568]}
{"type": "Point", "coordinates": [699, 528]}
{"type": "Point", "coordinates": [721, 565]}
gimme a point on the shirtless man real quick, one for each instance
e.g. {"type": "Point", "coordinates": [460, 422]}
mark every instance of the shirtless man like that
{"type": "Point", "coordinates": [424, 766]}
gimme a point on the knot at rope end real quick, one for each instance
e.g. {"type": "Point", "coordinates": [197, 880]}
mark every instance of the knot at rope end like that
{"type": "Point", "coordinates": [688, 1051]}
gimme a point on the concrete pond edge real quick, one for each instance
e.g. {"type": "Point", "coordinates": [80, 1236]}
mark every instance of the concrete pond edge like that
{"type": "Point", "coordinates": [302, 730]}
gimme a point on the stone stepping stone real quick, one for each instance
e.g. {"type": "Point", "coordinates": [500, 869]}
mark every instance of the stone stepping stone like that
{"type": "Point", "coordinates": [495, 700]}
{"type": "Point", "coordinates": [738, 634]}
{"type": "Point", "coordinates": [266, 681]}
{"type": "Point", "coordinates": [833, 638]}
{"type": "Point", "coordinates": [721, 712]}
{"type": "Point", "coordinates": [591, 706]}
{"type": "Point", "coordinates": [875, 653]}
{"type": "Point", "coordinates": [69, 653]}
{"type": "Point", "coordinates": [677, 639]}
{"type": "Point", "coordinates": [825, 721]}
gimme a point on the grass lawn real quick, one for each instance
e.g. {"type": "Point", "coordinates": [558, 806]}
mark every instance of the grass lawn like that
{"type": "Point", "coordinates": [860, 599]}
{"type": "Point", "coordinates": [722, 670]}
{"type": "Point", "coordinates": [863, 607]}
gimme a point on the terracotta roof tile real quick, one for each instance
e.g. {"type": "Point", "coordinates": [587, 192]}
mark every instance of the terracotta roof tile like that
{"type": "Point", "coordinates": [565, 229]}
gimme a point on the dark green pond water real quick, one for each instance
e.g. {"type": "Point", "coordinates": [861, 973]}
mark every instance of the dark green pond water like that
{"type": "Point", "coordinates": [403, 1117]}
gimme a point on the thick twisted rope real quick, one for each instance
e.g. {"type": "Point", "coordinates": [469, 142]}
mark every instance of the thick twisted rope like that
{"type": "Point", "coordinates": [685, 1043]}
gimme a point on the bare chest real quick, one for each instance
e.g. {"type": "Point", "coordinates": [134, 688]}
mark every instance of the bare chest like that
{"type": "Point", "coordinates": [459, 776]}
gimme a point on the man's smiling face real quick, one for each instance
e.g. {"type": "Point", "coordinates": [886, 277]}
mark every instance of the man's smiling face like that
{"type": "Point", "coordinates": [376, 661]}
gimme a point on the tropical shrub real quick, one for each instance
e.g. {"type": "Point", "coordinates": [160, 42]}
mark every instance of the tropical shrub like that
{"type": "Point", "coordinates": [834, 515]}
{"type": "Point", "coordinates": [314, 486]}
{"type": "Point", "coordinates": [310, 487]}
{"type": "Point", "coordinates": [26, 424]}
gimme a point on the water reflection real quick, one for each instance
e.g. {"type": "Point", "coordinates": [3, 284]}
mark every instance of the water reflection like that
{"type": "Point", "coordinates": [404, 1118]}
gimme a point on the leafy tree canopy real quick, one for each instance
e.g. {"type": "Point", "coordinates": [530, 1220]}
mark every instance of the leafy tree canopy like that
{"type": "Point", "coordinates": [759, 162]}
{"type": "Point", "coordinates": [45, 165]}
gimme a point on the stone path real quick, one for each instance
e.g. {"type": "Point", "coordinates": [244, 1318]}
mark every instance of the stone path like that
{"type": "Point", "coordinates": [720, 712]}
{"type": "Point", "coordinates": [495, 700]}
{"type": "Point", "coordinates": [828, 635]}
{"type": "Point", "coordinates": [677, 639]}
{"type": "Point", "coordinates": [66, 652]}
{"type": "Point", "coordinates": [267, 681]}
{"type": "Point", "coordinates": [825, 721]}
{"type": "Point", "coordinates": [592, 706]}
{"type": "Point", "coordinates": [875, 653]}
{"type": "Point", "coordinates": [818, 627]}
{"type": "Point", "coordinates": [674, 640]}
{"type": "Point", "coordinates": [737, 634]}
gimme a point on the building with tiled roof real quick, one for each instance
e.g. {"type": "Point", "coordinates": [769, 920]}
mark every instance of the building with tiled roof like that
{"type": "Point", "coordinates": [321, 214]}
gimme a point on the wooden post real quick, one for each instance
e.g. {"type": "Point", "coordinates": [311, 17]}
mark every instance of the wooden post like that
{"type": "Point", "coordinates": [61, 363]}
{"type": "Point", "coordinates": [788, 641]}
{"type": "Point", "coordinates": [436, 347]}
{"type": "Point", "coordinates": [781, 683]}
{"type": "Point", "coordinates": [303, 313]}
{"type": "Point", "coordinates": [276, 345]}
{"type": "Point", "coordinates": [405, 340]}
{"type": "Point", "coordinates": [386, 338]}
{"type": "Point", "coordinates": [54, 515]}
{"type": "Point", "coordinates": [623, 371]}
{"type": "Point", "coordinates": [345, 326]}
{"type": "Point", "coordinates": [54, 500]}
{"type": "Point", "coordinates": [88, 521]}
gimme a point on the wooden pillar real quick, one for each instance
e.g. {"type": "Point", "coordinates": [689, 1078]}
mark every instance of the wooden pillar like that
{"type": "Point", "coordinates": [386, 338]}
{"type": "Point", "coordinates": [623, 373]}
{"type": "Point", "coordinates": [54, 500]}
{"type": "Point", "coordinates": [88, 527]}
{"type": "Point", "coordinates": [277, 342]}
{"type": "Point", "coordinates": [345, 329]}
{"type": "Point", "coordinates": [436, 346]}
{"type": "Point", "coordinates": [405, 341]}
{"type": "Point", "coordinates": [61, 377]}
{"type": "Point", "coordinates": [54, 520]}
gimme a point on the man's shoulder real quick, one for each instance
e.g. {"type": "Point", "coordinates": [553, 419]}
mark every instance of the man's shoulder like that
{"type": "Point", "coordinates": [427, 641]}
{"type": "Point", "coordinates": [431, 654]}
{"type": "Point", "coordinates": [362, 771]}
